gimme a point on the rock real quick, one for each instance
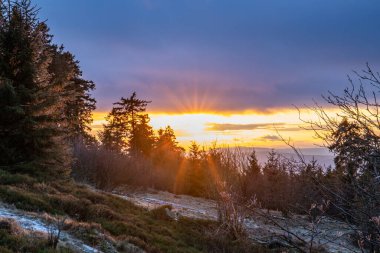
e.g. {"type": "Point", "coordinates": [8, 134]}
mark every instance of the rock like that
{"type": "Point", "coordinates": [127, 247]}
{"type": "Point", "coordinates": [173, 215]}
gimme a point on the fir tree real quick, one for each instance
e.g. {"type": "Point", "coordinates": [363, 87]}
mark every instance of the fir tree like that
{"type": "Point", "coordinates": [37, 87]}
{"type": "Point", "coordinates": [127, 129]}
{"type": "Point", "coordinates": [65, 70]}
{"type": "Point", "coordinates": [114, 134]}
{"type": "Point", "coordinates": [251, 175]}
{"type": "Point", "coordinates": [142, 138]}
{"type": "Point", "coordinates": [166, 140]}
{"type": "Point", "coordinates": [196, 176]}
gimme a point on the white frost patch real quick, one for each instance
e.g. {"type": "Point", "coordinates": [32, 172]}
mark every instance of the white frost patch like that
{"type": "Point", "coordinates": [29, 221]}
{"type": "Point", "coordinates": [182, 204]}
{"type": "Point", "coordinates": [333, 235]}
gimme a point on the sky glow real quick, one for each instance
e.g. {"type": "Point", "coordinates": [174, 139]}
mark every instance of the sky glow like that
{"type": "Point", "coordinates": [204, 62]}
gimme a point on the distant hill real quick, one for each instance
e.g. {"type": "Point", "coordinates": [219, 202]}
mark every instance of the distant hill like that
{"type": "Point", "coordinates": [322, 155]}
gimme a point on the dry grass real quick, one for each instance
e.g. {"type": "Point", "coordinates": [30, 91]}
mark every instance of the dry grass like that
{"type": "Point", "coordinates": [97, 214]}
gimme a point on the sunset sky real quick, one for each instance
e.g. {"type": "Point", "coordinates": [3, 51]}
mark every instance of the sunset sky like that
{"type": "Point", "coordinates": [216, 70]}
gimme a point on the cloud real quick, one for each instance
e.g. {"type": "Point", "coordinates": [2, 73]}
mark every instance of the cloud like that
{"type": "Point", "coordinates": [269, 138]}
{"type": "Point", "coordinates": [241, 127]}
{"type": "Point", "coordinates": [217, 55]}
{"type": "Point", "coordinates": [180, 87]}
{"type": "Point", "coordinates": [238, 127]}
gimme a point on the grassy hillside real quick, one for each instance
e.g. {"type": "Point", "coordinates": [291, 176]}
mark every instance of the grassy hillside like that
{"type": "Point", "coordinates": [119, 219]}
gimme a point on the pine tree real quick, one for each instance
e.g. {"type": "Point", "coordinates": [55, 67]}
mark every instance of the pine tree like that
{"type": "Point", "coordinates": [79, 105]}
{"type": "Point", "coordinates": [251, 176]}
{"type": "Point", "coordinates": [275, 177]}
{"type": "Point", "coordinates": [352, 147]}
{"type": "Point", "coordinates": [10, 114]}
{"type": "Point", "coordinates": [166, 139]}
{"type": "Point", "coordinates": [127, 129]}
{"type": "Point", "coordinates": [196, 176]}
{"type": "Point", "coordinates": [142, 138]}
{"type": "Point", "coordinates": [166, 144]}
{"type": "Point", "coordinates": [36, 89]}
{"type": "Point", "coordinates": [114, 134]}
{"type": "Point", "coordinates": [167, 159]}
{"type": "Point", "coordinates": [253, 170]}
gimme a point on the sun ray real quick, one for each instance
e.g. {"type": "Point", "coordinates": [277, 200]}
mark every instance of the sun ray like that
{"type": "Point", "coordinates": [180, 177]}
{"type": "Point", "coordinates": [239, 129]}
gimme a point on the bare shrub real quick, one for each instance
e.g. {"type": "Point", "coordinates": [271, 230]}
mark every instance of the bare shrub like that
{"type": "Point", "coordinates": [230, 215]}
{"type": "Point", "coordinates": [352, 134]}
{"type": "Point", "coordinates": [54, 229]}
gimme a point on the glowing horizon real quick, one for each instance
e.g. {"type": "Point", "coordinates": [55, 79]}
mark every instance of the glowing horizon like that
{"type": "Point", "coordinates": [246, 129]}
{"type": "Point", "coordinates": [240, 57]}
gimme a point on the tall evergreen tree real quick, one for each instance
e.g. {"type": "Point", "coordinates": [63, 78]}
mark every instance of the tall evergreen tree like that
{"type": "Point", "coordinates": [10, 114]}
{"type": "Point", "coordinates": [352, 147]}
{"type": "Point", "coordinates": [251, 175]}
{"type": "Point", "coordinates": [196, 174]}
{"type": "Point", "coordinates": [127, 129]}
{"type": "Point", "coordinates": [275, 176]}
{"type": "Point", "coordinates": [166, 145]}
{"type": "Point", "coordinates": [114, 134]}
{"type": "Point", "coordinates": [65, 70]}
{"type": "Point", "coordinates": [36, 90]}
{"type": "Point", "coordinates": [167, 159]}
{"type": "Point", "coordinates": [142, 138]}
{"type": "Point", "coordinates": [166, 140]}
{"type": "Point", "coordinates": [253, 169]}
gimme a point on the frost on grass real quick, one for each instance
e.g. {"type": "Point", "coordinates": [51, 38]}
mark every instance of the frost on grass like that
{"type": "Point", "coordinates": [261, 228]}
{"type": "Point", "coordinates": [32, 223]}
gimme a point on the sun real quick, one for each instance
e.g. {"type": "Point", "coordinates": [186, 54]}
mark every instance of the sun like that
{"type": "Point", "coordinates": [248, 129]}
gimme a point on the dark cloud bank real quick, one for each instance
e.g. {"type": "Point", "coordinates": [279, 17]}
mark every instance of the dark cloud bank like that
{"type": "Point", "coordinates": [217, 55]}
{"type": "Point", "coordinates": [254, 126]}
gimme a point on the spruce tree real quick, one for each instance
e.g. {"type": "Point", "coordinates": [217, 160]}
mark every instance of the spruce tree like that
{"type": "Point", "coordinates": [127, 130]}
{"type": "Point", "coordinates": [251, 175]}
{"type": "Point", "coordinates": [113, 136]}
{"type": "Point", "coordinates": [10, 114]}
{"type": "Point", "coordinates": [166, 141]}
{"type": "Point", "coordinates": [37, 87]}
{"type": "Point", "coordinates": [142, 138]}
{"type": "Point", "coordinates": [196, 176]}
{"type": "Point", "coordinates": [65, 70]}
